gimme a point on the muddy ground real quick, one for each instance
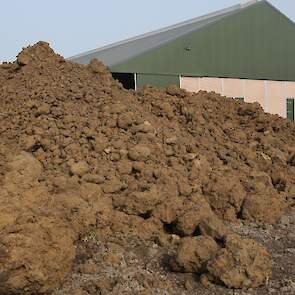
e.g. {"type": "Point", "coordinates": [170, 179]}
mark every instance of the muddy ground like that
{"type": "Point", "coordinates": [109, 191]}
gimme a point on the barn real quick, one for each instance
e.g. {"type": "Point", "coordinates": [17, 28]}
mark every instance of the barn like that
{"type": "Point", "coordinates": [246, 51]}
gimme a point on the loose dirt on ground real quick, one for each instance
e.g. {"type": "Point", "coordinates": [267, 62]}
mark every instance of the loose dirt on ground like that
{"type": "Point", "coordinates": [109, 191]}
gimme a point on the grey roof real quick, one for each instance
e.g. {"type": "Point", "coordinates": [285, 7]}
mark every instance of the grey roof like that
{"type": "Point", "coordinates": [122, 51]}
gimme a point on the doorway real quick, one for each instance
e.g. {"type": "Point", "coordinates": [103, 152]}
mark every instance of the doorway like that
{"type": "Point", "coordinates": [126, 79]}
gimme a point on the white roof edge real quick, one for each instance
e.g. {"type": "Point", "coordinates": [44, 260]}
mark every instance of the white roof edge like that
{"type": "Point", "coordinates": [245, 3]}
{"type": "Point", "coordinates": [180, 24]}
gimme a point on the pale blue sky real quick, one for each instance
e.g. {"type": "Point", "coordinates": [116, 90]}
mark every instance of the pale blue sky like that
{"type": "Point", "coordinates": [72, 26]}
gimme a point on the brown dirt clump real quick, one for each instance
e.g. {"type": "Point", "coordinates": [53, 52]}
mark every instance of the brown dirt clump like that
{"type": "Point", "coordinates": [242, 263]}
{"type": "Point", "coordinates": [194, 253]}
{"type": "Point", "coordinates": [38, 229]}
{"type": "Point", "coordinates": [88, 167]}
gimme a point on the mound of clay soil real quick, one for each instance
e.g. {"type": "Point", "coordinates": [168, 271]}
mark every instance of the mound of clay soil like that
{"type": "Point", "coordinates": [90, 172]}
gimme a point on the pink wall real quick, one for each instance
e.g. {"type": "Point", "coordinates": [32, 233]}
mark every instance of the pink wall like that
{"type": "Point", "coordinates": [254, 91]}
{"type": "Point", "coordinates": [290, 89]}
{"type": "Point", "coordinates": [271, 95]}
{"type": "Point", "coordinates": [190, 83]}
{"type": "Point", "coordinates": [232, 87]}
{"type": "Point", "coordinates": [210, 84]}
{"type": "Point", "coordinates": [276, 102]}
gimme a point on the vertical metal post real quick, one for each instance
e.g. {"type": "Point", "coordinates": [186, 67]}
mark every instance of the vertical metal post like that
{"type": "Point", "coordinates": [266, 98]}
{"type": "Point", "coordinates": [135, 81]}
{"type": "Point", "coordinates": [285, 97]}
{"type": "Point", "coordinates": [244, 89]}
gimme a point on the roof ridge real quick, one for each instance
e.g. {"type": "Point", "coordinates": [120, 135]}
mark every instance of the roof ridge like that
{"type": "Point", "coordinates": [161, 30]}
{"type": "Point", "coordinates": [122, 51]}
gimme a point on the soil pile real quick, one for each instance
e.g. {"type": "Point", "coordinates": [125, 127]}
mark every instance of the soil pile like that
{"type": "Point", "coordinates": [82, 157]}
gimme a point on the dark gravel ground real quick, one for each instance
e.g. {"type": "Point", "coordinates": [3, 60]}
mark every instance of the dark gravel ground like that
{"type": "Point", "coordinates": [110, 269]}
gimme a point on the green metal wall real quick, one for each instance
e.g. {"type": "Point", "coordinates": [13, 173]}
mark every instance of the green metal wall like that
{"type": "Point", "coordinates": [156, 80]}
{"type": "Point", "coordinates": [257, 43]}
{"type": "Point", "coordinates": [290, 108]}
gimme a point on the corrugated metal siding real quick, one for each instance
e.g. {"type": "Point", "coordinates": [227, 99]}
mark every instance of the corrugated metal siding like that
{"type": "Point", "coordinates": [156, 80]}
{"type": "Point", "coordinates": [118, 52]}
{"type": "Point", "coordinates": [257, 43]}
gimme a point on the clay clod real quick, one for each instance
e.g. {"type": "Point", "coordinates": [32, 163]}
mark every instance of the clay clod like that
{"type": "Point", "coordinates": [80, 168]}
{"type": "Point", "coordinates": [243, 263]}
{"type": "Point", "coordinates": [139, 153]}
{"type": "Point", "coordinates": [194, 253]}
